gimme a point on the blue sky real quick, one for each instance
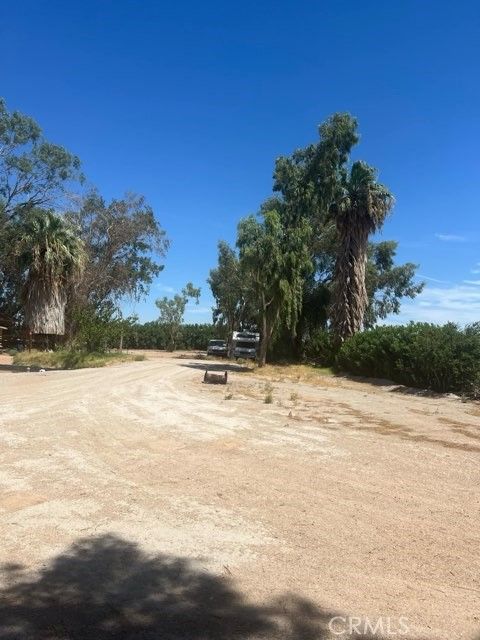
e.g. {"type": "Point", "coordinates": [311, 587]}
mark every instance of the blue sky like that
{"type": "Point", "coordinates": [189, 103]}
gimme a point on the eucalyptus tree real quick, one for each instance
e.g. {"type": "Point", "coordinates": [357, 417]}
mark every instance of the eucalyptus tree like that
{"type": "Point", "coordinates": [33, 171]}
{"type": "Point", "coordinates": [274, 260]}
{"type": "Point", "coordinates": [172, 311]}
{"type": "Point", "coordinates": [51, 257]}
{"type": "Point", "coordinates": [319, 183]}
{"type": "Point", "coordinates": [125, 245]}
{"type": "Point", "coordinates": [230, 290]}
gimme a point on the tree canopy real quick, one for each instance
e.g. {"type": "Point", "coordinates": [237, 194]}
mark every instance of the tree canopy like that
{"type": "Point", "coordinates": [33, 171]}
{"type": "Point", "coordinates": [229, 290]}
{"type": "Point", "coordinates": [274, 260]}
{"type": "Point", "coordinates": [347, 281]}
{"type": "Point", "coordinates": [122, 242]}
{"type": "Point", "coordinates": [172, 311]}
{"type": "Point", "coordinates": [51, 255]}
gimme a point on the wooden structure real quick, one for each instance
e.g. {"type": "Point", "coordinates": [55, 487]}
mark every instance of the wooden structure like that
{"type": "Point", "coordinates": [215, 378]}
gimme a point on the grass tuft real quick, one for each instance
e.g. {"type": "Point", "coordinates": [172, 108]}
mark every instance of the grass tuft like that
{"type": "Point", "coordinates": [268, 394]}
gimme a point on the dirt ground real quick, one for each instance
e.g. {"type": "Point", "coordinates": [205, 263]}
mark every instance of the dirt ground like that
{"type": "Point", "coordinates": [137, 502]}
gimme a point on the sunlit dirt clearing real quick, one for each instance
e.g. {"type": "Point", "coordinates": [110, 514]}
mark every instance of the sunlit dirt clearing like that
{"type": "Point", "coordinates": [357, 499]}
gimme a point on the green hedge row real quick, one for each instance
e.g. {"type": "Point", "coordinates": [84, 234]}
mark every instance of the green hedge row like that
{"type": "Point", "coordinates": [152, 335]}
{"type": "Point", "coordinates": [441, 358]}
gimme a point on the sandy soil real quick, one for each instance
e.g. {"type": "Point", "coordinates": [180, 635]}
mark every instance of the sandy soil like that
{"type": "Point", "coordinates": [137, 502]}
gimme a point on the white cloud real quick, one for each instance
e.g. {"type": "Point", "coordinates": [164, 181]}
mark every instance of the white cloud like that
{"type": "Point", "coordinates": [476, 282]}
{"type": "Point", "coordinates": [420, 277]}
{"type": "Point", "coordinates": [450, 237]}
{"type": "Point", "coordinates": [458, 303]}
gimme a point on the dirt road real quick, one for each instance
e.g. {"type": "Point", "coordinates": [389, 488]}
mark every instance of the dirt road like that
{"type": "Point", "coordinates": [137, 502]}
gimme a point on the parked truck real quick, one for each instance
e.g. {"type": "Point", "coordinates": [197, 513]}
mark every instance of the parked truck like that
{"type": "Point", "coordinates": [245, 344]}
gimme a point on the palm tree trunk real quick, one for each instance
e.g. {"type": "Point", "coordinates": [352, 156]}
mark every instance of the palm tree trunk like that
{"type": "Point", "coordinates": [350, 294]}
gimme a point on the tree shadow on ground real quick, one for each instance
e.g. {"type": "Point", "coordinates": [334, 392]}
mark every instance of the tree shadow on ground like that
{"type": "Point", "coordinates": [23, 368]}
{"type": "Point", "coordinates": [106, 588]}
{"type": "Point", "coordinates": [217, 366]}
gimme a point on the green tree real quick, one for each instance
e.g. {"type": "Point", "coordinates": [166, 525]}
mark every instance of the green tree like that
{"type": "Point", "coordinates": [100, 329]}
{"type": "Point", "coordinates": [124, 242]}
{"type": "Point", "coordinates": [386, 283]}
{"type": "Point", "coordinates": [274, 260]}
{"type": "Point", "coordinates": [51, 256]}
{"type": "Point", "coordinates": [316, 183]}
{"type": "Point", "coordinates": [359, 211]}
{"type": "Point", "coordinates": [229, 290]}
{"type": "Point", "coordinates": [172, 311]}
{"type": "Point", "coordinates": [33, 171]}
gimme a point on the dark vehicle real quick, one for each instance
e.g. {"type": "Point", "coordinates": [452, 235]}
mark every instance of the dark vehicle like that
{"type": "Point", "coordinates": [245, 344]}
{"type": "Point", "coordinates": [217, 348]}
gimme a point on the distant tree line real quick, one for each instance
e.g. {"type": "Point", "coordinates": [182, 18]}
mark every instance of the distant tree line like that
{"type": "Point", "coordinates": [156, 335]}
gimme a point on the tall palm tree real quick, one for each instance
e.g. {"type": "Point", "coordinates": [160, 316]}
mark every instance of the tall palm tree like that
{"type": "Point", "coordinates": [51, 255]}
{"type": "Point", "coordinates": [360, 211]}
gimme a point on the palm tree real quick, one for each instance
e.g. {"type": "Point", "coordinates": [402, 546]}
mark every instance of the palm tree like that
{"type": "Point", "coordinates": [360, 211]}
{"type": "Point", "coordinates": [51, 256]}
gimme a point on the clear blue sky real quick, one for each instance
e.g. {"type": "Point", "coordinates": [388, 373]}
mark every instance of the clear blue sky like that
{"type": "Point", "coordinates": [189, 103]}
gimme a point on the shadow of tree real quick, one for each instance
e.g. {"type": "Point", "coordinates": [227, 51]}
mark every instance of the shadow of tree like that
{"type": "Point", "coordinates": [217, 366]}
{"type": "Point", "coordinates": [22, 368]}
{"type": "Point", "coordinates": [106, 588]}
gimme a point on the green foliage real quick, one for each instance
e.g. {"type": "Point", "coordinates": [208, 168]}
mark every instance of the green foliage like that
{"type": "Point", "coordinates": [386, 282]}
{"type": "Point", "coordinates": [318, 183]}
{"type": "Point", "coordinates": [33, 171]}
{"type": "Point", "coordinates": [172, 311]}
{"type": "Point", "coordinates": [274, 260]}
{"type": "Point", "coordinates": [309, 181]}
{"type": "Point", "coordinates": [282, 281]}
{"type": "Point", "coordinates": [229, 290]}
{"type": "Point", "coordinates": [98, 330]}
{"type": "Point", "coordinates": [123, 241]}
{"type": "Point", "coordinates": [50, 257]}
{"type": "Point", "coordinates": [319, 348]}
{"type": "Point", "coordinates": [441, 358]}
{"type": "Point", "coordinates": [152, 335]}
{"type": "Point", "coordinates": [48, 244]}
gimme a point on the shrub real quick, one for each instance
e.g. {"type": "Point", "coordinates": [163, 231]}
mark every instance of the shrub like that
{"type": "Point", "coordinates": [319, 348]}
{"type": "Point", "coordinates": [268, 399]}
{"type": "Point", "coordinates": [441, 358]}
